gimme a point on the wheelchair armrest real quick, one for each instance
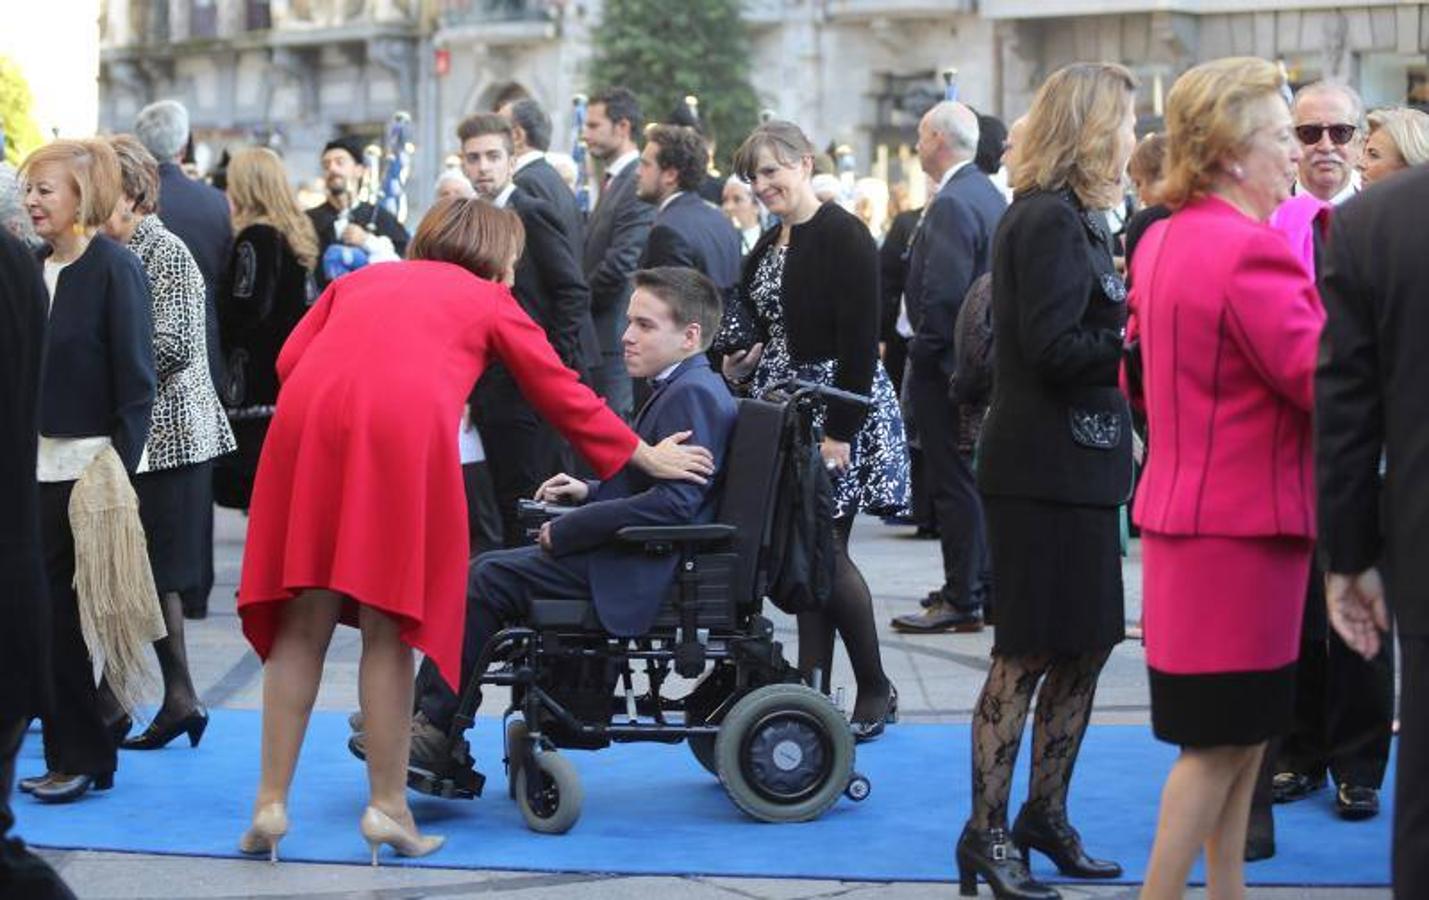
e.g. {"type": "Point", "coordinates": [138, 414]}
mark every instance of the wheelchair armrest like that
{"type": "Point", "coordinates": [675, 534]}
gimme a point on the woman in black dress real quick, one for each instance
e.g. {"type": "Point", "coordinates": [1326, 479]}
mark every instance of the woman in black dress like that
{"type": "Point", "coordinates": [1055, 464]}
{"type": "Point", "coordinates": [809, 300]}
{"type": "Point", "coordinates": [266, 291]}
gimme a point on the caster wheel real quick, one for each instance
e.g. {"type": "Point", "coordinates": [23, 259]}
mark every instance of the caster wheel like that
{"type": "Point", "coordinates": [557, 804]}
{"type": "Point", "coordinates": [858, 788]}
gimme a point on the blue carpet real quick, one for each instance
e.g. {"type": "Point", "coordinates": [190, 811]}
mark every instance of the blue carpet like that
{"type": "Point", "coordinates": [650, 809]}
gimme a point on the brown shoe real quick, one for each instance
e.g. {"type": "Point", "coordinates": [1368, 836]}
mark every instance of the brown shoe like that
{"type": "Point", "coordinates": [938, 619]}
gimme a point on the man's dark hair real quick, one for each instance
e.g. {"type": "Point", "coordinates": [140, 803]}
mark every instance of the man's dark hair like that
{"type": "Point", "coordinates": [619, 104]}
{"type": "Point", "coordinates": [681, 149]}
{"type": "Point", "coordinates": [482, 124]}
{"type": "Point", "coordinates": [992, 135]}
{"type": "Point", "coordinates": [532, 119]}
{"type": "Point", "coordinates": [690, 295]}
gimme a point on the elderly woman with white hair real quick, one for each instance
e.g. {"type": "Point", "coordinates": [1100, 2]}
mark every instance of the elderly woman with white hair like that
{"type": "Point", "coordinates": [1398, 139]}
{"type": "Point", "coordinates": [13, 217]}
{"type": "Point", "coordinates": [453, 183]}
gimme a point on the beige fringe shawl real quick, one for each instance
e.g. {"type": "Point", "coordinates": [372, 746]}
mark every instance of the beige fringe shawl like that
{"type": "Point", "coordinates": [118, 603]}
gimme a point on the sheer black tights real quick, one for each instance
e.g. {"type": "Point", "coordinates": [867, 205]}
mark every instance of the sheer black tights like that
{"type": "Point", "coordinates": [1064, 704]}
{"type": "Point", "coordinates": [850, 613]}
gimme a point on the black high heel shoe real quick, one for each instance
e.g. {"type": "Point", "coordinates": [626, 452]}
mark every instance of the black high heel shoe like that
{"type": "Point", "coordinates": [1054, 837]}
{"type": "Point", "coordinates": [867, 730]}
{"type": "Point", "coordinates": [989, 854]}
{"type": "Point", "coordinates": [157, 736]}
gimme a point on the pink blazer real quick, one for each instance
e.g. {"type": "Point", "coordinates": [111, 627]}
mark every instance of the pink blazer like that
{"type": "Point", "coordinates": [1229, 322]}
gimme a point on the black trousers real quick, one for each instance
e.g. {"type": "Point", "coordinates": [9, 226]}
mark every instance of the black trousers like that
{"type": "Point", "coordinates": [1344, 705]}
{"type": "Point", "coordinates": [953, 491]}
{"type": "Point", "coordinates": [76, 739]}
{"type": "Point", "coordinates": [1411, 777]}
{"type": "Point", "coordinates": [483, 517]}
{"type": "Point", "coordinates": [522, 451]}
{"type": "Point", "coordinates": [498, 595]}
{"type": "Point", "coordinates": [23, 875]}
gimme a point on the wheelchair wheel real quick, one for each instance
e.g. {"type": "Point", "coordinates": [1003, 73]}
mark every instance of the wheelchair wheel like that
{"type": "Point", "coordinates": [703, 747]}
{"type": "Point", "coordinates": [558, 799]}
{"type": "Point", "coordinates": [784, 753]}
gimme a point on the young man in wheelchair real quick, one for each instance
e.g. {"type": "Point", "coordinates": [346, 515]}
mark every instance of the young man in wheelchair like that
{"type": "Point", "coordinates": [673, 316]}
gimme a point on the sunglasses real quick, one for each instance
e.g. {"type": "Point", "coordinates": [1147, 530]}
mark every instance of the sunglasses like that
{"type": "Point", "coordinates": [1310, 135]}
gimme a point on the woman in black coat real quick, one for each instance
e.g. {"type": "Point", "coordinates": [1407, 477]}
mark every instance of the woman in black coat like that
{"type": "Point", "coordinates": [808, 307]}
{"type": "Point", "coordinates": [1055, 465]}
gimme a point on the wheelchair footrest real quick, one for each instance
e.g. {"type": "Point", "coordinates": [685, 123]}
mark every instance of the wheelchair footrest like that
{"type": "Point", "coordinates": [466, 784]}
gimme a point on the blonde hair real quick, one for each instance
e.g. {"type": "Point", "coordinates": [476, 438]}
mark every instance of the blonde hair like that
{"type": "Point", "coordinates": [1212, 114]}
{"type": "Point", "coordinates": [93, 171]}
{"type": "Point", "coordinates": [258, 187]}
{"type": "Point", "coordinates": [138, 171]}
{"type": "Point", "coordinates": [1408, 128]}
{"type": "Point", "coordinates": [1071, 134]}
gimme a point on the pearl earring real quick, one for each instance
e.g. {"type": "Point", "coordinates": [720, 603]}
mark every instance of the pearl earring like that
{"type": "Point", "coordinates": [1237, 172]}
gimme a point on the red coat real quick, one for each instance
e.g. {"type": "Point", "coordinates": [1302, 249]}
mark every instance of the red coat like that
{"type": "Point", "coordinates": [1229, 324]}
{"type": "Point", "coordinates": [359, 487]}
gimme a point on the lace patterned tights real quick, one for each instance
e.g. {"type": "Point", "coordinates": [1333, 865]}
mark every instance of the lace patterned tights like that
{"type": "Point", "coordinates": [1064, 704]}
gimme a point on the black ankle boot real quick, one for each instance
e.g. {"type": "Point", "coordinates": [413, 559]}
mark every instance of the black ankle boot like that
{"type": "Point", "coordinates": [990, 854]}
{"type": "Point", "coordinates": [1051, 834]}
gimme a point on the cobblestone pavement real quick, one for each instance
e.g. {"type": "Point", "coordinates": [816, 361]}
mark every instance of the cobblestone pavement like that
{"type": "Point", "coordinates": [938, 678]}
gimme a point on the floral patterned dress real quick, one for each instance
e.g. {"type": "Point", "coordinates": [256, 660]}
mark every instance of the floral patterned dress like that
{"type": "Point", "coordinates": [876, 481]}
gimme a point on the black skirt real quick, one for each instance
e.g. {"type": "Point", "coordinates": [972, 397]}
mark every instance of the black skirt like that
{"type": "Point", "coordinates": [1057, 576]}
{"type": "Point", "coordinates": [1221, 709]}
{"type": "Point", "coordinates": [172, 503]}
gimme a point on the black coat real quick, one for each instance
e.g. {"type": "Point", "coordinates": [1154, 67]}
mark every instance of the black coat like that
{"type": "Point", "coordinates": [97, 377]}
{"type": "Point", "coordinates": [893, 270]}
{"type": "Point", "coordinates": [265, 294]}
{"type": "Point", "coordinates": [198, 215]}
{"type": "Point", "coordinates": [24, 612]}
{"type": "Point", "coordinates": [1059, 428]}
{"type": "Point", "coordinates": [1372, 393]}
{"type": "Point", "coordinates": [690, 232]}
{"type": "Point", "coordinates": [550, 285]}
{"type": "Point", "coordinates": [541, 180]}
{"type": "Point", "coordinates": [831, 302]}
{"type": "Point", "coordinates": [615, 237]}
{"type": "Point", "coordinates": [323, 218]}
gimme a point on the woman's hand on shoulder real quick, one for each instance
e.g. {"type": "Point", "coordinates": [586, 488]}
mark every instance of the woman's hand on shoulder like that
{"type": "Point", "coordinates": [673, 460]}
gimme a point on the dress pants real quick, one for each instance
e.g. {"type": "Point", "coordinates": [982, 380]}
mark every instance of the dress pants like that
{"type": "Point", "coordinates": [483, 518]}
{"type": "Point", "coordinates": [498, 594]}
{"type": "Point", "coordinates": [522, 451]}
{"type": "Point", "coordinates": [1411, 777]}
{"type": "Point", "coordinates": [1344, 705]}
{"type": "Point", "coordinates": [23, 875]}
{"type": "Point", "coordinates": [77, 742]}
{"type": "Point", "coordinates": [952, 489]}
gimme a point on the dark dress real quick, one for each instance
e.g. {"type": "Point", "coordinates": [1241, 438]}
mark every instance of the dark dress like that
{"type": "Point", "coordinates": [1055, 452]}
{"type": "Point", "coordinates": [265, 293]}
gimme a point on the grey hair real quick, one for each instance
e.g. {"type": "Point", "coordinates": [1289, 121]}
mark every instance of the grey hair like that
{"type": "Point", "coordinates": [13, 217]}
{"type": "Point", "coordinates": [957, 123]}
{"type": "Point", "coordinates": [1408, 128]}
{"type": "Point", "coordinates": [1334, 87]}
{"type": "Point", "coordinates": [163, 129]}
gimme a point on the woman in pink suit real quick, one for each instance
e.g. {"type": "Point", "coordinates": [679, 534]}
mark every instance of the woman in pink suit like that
{"type": "Point", "coordinates": [358, 513]}
{"type": "Point", "coordinates": [1228, 322]}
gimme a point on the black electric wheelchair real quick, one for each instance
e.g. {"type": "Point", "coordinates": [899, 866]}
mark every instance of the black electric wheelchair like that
{"type": "Point", "coordinates": [782, 750]}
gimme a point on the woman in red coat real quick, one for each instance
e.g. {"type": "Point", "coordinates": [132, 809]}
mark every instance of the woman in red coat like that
{"type": "Point", "coordinates": [1228, 322]}
{"type": "Point", "coordinates": [358, 513]}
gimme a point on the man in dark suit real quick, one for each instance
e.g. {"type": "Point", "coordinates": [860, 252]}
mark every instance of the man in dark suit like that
{"type": "Point", "coordinates": [950, 249]}
{"type": "Point", "coordinates": [1372, 468]}
{"type": "Point", "coordinates": [531, 138]}
{"type": "Point", "coordinates": [199, 215]}
{"type": "Point", "coordinates": [615, 234]}
{"type": "Point", "coordinates": [342, 218]}
{"type": "Point", "coordinates": [687, 231]}
{"type": "Point", "coordinates": [673, 316]}
{"type": "Point", "coordinates": [521, 450]}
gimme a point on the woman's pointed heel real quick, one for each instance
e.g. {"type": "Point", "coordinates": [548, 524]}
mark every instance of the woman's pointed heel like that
{"type": "Point", "coordinates": [378, 828]}
{"type": "Point", "coordinates": [269, 826]}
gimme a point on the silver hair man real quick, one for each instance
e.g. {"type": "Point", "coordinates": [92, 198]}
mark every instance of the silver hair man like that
{"type": "Point", "coordinates": [958, 124]}
{"type": "Point", "coordinates": [163, 128]}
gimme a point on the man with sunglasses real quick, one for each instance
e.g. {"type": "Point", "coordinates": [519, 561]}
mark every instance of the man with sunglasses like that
{"type": "Point", "coordinates": [1329, 123]}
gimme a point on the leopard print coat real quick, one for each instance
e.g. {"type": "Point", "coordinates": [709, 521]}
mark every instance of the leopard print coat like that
{"type": "Point", "coordinates": [188, 424]}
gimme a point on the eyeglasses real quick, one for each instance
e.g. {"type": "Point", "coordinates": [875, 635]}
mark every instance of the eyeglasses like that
{"type": "Point", "coordinates": [1310, 135]}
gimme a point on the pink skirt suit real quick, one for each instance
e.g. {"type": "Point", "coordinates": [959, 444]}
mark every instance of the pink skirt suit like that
{"type": "Point", "coordinates": [1228, 323]}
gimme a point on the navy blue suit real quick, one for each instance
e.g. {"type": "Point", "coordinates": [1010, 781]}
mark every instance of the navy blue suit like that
{"type": "Point", "coordinates": [692, 233]}
{"type": "Point", "coordinates": [626, 585]}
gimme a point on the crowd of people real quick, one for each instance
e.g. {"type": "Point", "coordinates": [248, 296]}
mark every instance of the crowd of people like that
{"type": "Point", "coordinates": [1217, 320]}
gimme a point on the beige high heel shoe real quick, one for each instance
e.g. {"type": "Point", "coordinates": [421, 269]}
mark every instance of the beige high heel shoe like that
{"type": "Point", "coordinates": [379, 828]}
{"type": "Point", "coordinates": [269, 826]}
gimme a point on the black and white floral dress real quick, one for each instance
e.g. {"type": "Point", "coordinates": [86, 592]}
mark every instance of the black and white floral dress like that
{"type": "Point", "coordinates": [876, 481]}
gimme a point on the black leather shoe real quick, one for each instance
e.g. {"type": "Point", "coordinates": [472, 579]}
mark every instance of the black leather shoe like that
{"type": "Point", "coordinates": [1287, 787]}
{"type": "Point", "coordinates": [932, 600]}
{"type": "Point", "coordinates": [1355, 803]}
{"type": "Point", "coordinates": [1053, 836]}
{"type": "Point", "coordinates": [66, 788]}
{"type": "Point", "coordinates": [938, 619]}
{"type": "Point", "coordinates": [158, 735]}
{"type": "Point", "coordinates": [28, 785]}
{"type": "Point", "coordinates": [864, 731]}
{"type": "Point", "coordinates": [989, 855]}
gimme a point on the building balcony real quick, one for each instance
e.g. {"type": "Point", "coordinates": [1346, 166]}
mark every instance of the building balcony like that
{"type": "Point", "coordinates": [1050, 9]}
{"type": "Point", "coordinates": [495, 21]}
{"type": "Point", "coordinates": [867, 10]}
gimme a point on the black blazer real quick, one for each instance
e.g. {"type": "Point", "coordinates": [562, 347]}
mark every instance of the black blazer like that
{"type": "Point", "coordinates": [950, 250]}
{"type": "Point", "coordinates": [1059, 428]}
{"type": "Point", "coordinates": [541, 180]}
{"type": "Point", "coordinates": [690, 232]}
{"type": "Point", "coordinates": [264, 296]}
{"type": "Point", "coordinates": [549, 283]}
{"type": "Point", "coordinates": [893, 270]}
{"type": "Point", "coordinates": [1372, 393]}
{"type": "Point", "coordinates": [98, 374]}
{"type": "Point", "coordinates": [831, 302]}
{"type": "Point", "coordinates": [324, 216]}
{"type": "Point", "coordinates": [615, 237]}
{"type": "Point", "coordinates": [25, 634]}
{"type": "Point", "coordinates": [198, 215]}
